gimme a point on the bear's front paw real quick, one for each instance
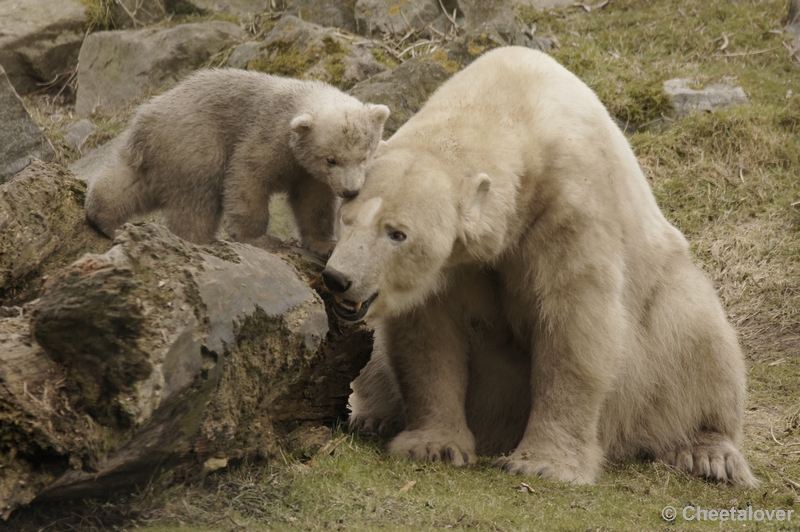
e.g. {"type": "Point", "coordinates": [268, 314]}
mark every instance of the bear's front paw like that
{"type": "Point", "coordinates": [435, 446]}
{"type": "Point", "coordinates": [529, 464]}
{"type": "Point", "coordinates": [382, 427]}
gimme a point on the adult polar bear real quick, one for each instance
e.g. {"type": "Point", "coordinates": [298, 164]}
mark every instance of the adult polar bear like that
{"type": "Point", "coordinates": [527, 294]}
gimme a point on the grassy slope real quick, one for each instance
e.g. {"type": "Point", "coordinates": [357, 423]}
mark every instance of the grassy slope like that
{"type": "Point", "coordinates": [726, 179]}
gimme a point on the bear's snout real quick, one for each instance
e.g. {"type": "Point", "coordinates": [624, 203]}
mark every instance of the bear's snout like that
{"type": "Point", "coordinates": [335, 280]}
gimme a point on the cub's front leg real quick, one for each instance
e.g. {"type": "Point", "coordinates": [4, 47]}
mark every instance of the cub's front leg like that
{"type": "Point", "coordinates": [314, 205]}
{"type": "Point", "coordinates": [430, 360]}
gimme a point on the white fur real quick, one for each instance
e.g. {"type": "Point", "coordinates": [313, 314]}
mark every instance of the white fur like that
{"type": "Point", "coordinates": [540, 304]}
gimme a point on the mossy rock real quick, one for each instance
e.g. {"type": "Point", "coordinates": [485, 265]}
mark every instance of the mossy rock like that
{"type": "Point", "coordinates": [298, 49]}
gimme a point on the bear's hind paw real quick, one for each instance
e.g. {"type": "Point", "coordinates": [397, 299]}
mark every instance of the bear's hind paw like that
{"type": "Point", "coordinates": [713, 457]}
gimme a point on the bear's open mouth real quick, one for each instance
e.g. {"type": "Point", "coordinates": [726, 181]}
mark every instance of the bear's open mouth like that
{"type": "Point", "coordinates": [350, 310]}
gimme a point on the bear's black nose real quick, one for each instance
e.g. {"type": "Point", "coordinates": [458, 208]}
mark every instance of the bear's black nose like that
{"type": "Point", "coordinates": [335, 280]}
{"type": "Point", "coordinates": [350, 194]}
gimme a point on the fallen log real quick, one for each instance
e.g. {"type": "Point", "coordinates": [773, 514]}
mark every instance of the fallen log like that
{"type": "Point", "coordinates": [42, 228]}
{"type": "Point", "coordinates": [161, 355]}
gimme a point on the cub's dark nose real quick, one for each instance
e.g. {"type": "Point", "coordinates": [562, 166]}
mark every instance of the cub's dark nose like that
{"type": "Point", "coordinates": [335, 281]}
{"type": "Point", "coordinates": [350, 194]}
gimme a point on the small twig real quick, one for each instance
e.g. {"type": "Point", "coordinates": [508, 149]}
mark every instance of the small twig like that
{"type": "Point", "coordinates": [725, 42]}
{"type": "Point", "coordinates": [795, 204]}
{"type": "Point", "coordinates": [410, 27]}
{"type": "Point", "coordinates": [792, 482]}
{"type": "Point", "coordinates": [407, 487]}
{"type": "Point", "coordinates": [790, 452]}
{"type": "Point", "coordinates": [446, 14]}
{"type": "Point", "coordinates": [416, 45]}
{"type": "Point", "coordinates": [741, 54]}
{"type": "Point", "coordinates": [331, 446]}
{"type": "Point", "coordinates": [773, 437]}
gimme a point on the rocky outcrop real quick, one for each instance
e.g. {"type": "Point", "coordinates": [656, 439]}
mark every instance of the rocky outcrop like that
{"type": "Point", "coordinates": [239, 8]}
{"type": "Point", "coordinates": [21, 141]}
{"type": "Point", "coordinates": [330, 13]}
{"type": "Point", "coordinates": [685, 99]}
{"type": "Point", "coordinates": [39, 39]}
{"type": "Point", "coordinates": [304, 50]}
{"type": "Point", "coordinates": [426, 18]}
{"type": "Point", "coordinates": [116, 67]}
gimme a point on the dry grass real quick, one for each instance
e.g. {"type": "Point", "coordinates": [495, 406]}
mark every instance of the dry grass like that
{"type": "Point", "coordinates": [729, 180]}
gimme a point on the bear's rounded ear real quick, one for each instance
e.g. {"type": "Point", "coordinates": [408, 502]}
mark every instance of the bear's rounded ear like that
{"type": "Point", "coordinates": [302, 123]}
{"type": "Point", "coordinates": [379, 113]}
{"type": "Point", "coordinates": [382, 144]}
{"type": "Point", "coordinates": [473, 204]}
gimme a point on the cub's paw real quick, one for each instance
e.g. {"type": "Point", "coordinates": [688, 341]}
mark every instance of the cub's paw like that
{"type": "Point", "coordinates": [435, 446]}
{"type": "Point", "coordinates": [713, 457]}
{"type": "Point", "coordinates": [533, 465]}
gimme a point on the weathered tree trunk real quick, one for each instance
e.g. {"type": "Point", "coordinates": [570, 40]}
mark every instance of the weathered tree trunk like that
{"type": "Point", "coordinates": [42, 227]}
{"type": "Point", "coordinates": [162, 355]}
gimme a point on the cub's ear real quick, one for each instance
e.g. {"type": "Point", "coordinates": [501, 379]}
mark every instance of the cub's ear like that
{"type": "Point", "coordinates": [302, 123]}
{"type": "Point", "coordinates": [473, 207]}
{"type": "Point", "coordinates": [379, 113]}
{"type": "Point", "coordinates": [382, 144]}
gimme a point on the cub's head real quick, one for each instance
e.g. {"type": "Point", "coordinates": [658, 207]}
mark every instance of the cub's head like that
{"type": "Point", "coordinates": [334, 143]}
{"type": "Point", "coordinates": [411, 221]}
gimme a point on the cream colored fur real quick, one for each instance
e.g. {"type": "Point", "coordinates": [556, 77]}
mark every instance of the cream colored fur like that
{"type": "Point", "coordinates": [540, 305]}
{"type": "Point", "coordinates": [224, 141]}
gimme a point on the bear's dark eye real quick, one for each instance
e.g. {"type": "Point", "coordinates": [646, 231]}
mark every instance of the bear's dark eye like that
{"type": "Point", "coordinates": [331, 161]}
{"type": "Point", "coordinates": [397, 236]}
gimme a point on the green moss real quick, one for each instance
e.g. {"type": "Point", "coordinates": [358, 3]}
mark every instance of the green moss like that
{"type": "Point", "coordinates": [281, 59]}
{"type": "Point", "coordinates": [287, 59]}
{"type": "Point", "coordinates": [440, 56]}
{"type": "Point", "coordinates": [381, 57]}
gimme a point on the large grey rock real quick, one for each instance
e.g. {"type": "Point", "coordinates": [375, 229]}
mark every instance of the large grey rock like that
{"type": "Point", "coordinates": [400, 17]}
{"type": "Point", "coordinates": [686, 99]}
{"type": "Point", "coordinates": [20, 137]}
{"type": "Point", "coordinates": [116, 67]}
{"type": "Point", "coordinates": [406, 88]}
{"type": "Point", "coordinates": [330, 13]}
{"type": "Point", "coordinates": [543, 4]}
{"type": "Point", "coordinates": [239, 8]}
{"type": "Point", "coordinates": [300, 49]}
{"type": "Point", "coordinates": [39, 39]}
{"type": "Point", "coordinates": [78, 132]}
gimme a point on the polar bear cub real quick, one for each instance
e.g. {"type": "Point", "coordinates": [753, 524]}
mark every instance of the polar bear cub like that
{"type": "Point", "coordinates": [223, 141]}
{"type": "Point", "coordinates": [528, 296]}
